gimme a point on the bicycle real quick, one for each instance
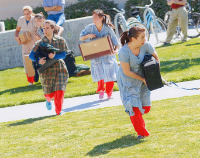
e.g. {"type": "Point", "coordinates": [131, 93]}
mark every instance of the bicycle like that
{"type": "Point", "coordinates": [154, 24]}
{"type": "Point", "coordinates": [193, 23]}
{"type": "Point", "coordinates": [121, 24]}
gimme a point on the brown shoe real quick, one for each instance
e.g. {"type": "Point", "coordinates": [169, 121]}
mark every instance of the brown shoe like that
{"type": "Point", "coordinates": [83, 72]}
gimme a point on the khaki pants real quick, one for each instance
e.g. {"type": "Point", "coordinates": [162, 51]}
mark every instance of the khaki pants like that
{"type": "Point", "coordinates": [177, 15]}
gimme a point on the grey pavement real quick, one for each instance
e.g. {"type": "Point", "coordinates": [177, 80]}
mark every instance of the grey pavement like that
{"type": "Point", "coordinates": [37, 110]}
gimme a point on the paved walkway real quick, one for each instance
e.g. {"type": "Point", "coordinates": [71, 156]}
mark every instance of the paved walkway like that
{"type": "Point", "coordinates": [37, 110]}
{"type": "Point", "coordinates": [91, 102]}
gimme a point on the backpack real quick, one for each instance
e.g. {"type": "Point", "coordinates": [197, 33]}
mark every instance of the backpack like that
{"type": "Point", "coordinates": [70, 63]}
{"type": "Point", "coordinates": [151, 71]}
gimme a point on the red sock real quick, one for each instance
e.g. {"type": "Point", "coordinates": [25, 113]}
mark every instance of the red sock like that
{"type": "Point", "coordinates": [30, 79]}
{"type": "Point", "coordinates": [100, 86]}
{"type": "Point", "coordinates": [109, 88]}
{"type": "Point", "coordinates": [58, 100]}
{"type": "Point", "coordinates": [138, 122]}
{"type": "Point", "coordinates": [49, 97]}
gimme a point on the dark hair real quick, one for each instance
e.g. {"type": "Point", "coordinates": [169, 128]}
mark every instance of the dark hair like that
{"type": "Point", "coordinates": [106, 18]}
{"type": "Point", "coordinates": [39, 16]}
{"type": "Point", "coordinates": [53, 25]}
{"type": "Point", "coordinates": [126, 36]}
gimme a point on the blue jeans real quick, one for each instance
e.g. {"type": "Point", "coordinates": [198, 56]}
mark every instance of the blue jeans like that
{"type": "Point", "coordinates": [58, 18]}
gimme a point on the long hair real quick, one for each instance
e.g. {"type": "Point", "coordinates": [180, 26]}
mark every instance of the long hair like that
{"type": "Point", "coordinates": [126, 36]}
{"type": "Point", "coordinates": [52, 24]}
{"type": "Point", "coordinates": [106, 18]}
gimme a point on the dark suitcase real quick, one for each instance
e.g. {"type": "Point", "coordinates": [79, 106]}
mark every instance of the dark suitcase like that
{"type": "Point", "coordinates": [152, 72]}
{"type": "Point", "coordinates": [70, 63]}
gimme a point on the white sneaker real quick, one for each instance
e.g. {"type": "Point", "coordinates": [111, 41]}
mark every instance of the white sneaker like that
{"type": "Point", "coordinates": [30, 84]}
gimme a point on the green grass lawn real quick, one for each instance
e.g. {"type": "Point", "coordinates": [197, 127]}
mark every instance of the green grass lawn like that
{"type": "Point", "coordinates": [179, 62]}
{"type": "Point", "coordinates": [174, 126]}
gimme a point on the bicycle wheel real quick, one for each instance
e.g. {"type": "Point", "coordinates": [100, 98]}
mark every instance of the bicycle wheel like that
{"type": "Point", "coordinates": [166, 18]}
{"type": "Point", "coordinates": [160, 28]}
{"type": "Point", "coordinates": [132, 24]}
{"type": "Point", "coordinates": [193, 25]}
{"type": "Point", "coordinates": [132, 19]}
{"type": "Point", "coordinates": [119, 25]}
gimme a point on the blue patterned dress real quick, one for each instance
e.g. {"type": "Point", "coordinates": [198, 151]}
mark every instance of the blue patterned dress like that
{"type": "Point", "coordinates": [133, 92]}
{"type": "Point", "coordinates": [103, 67]}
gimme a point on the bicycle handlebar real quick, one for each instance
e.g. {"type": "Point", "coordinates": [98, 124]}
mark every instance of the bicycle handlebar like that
{"type": "Point", "coordinates": [146, 6]}
{"type": "Point", "coordinates": [118, 11]}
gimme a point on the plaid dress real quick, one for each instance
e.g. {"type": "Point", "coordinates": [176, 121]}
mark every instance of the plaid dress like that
{"type": "Point", "coordinates": [55, 77]}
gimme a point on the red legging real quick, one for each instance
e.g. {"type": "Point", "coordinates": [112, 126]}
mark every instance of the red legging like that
{"type": "Point", "coordinates": [109, 87]}
{"type": "Point", "coordinates": [138, 122]}
{"type": "Point", "coordinates": [58, 99]}
{"type": "Point", "coordinates": [30, 79]}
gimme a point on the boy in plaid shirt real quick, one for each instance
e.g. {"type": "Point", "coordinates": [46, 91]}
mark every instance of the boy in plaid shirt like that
{"type": "Point", "coordinates": [53, 79]}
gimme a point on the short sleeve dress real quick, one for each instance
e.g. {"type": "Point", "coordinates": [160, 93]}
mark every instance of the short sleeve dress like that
{"type": "Point", "coordinates": [133, 92]}
{"type": "Point", "coordinates": [32, 28]}
{"type": "Point", "coordinates": [103, 68]}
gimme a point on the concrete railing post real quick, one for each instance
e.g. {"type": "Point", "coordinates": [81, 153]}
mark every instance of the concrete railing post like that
{"type": "Point", "coordinates": [2, 26]}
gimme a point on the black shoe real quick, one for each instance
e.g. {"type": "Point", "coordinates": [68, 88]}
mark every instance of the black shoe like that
{"type": "Point", "coordinates": [165, 43]}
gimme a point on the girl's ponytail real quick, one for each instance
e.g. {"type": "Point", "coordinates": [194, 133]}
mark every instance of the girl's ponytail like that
{"type": "Point", "coordinates": [106, 18]}
{"type": "Point", "coordinates": [124, 38]}
{"type": "Point", "coordinates": [107, 21]}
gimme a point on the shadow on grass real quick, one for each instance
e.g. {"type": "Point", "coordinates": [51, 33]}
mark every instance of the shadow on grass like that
{"type": "Point", "coordinates": [29, 121]}
{"type": "Point", "coordinates": [85, 105]}
{"type": "Point", "coordinates": [192, 44]}
{"type": "Point", "coordinates": [22, 89]}
{"type": "Point", "coordinates": [176, 65]}
{"type": "Point", "coordinates": [167, 45]}
{"type": "Point", "coordinates": [123, 142]}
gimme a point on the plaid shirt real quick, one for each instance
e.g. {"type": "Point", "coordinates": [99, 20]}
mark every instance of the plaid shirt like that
{"type": "Point", "coordinates": [55, 77]}
{"type": "Point", "coordinates": [57, 42]}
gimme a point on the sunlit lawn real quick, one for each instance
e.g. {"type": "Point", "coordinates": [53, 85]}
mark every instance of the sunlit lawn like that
{"type": "Point", "coordinates": [174, 126]}
{"type": "Point", "coordinates": [179, 62]}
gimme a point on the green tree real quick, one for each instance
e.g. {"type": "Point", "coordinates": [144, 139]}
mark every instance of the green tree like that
{"type": "Point", "coordinates": [85, 8]}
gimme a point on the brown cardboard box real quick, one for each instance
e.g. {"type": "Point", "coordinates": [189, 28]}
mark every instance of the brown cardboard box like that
{"type": "Point", "coordinates": [96, 48]}
{"type": "Point", "coordinates": [25, 37]}
{"type": "Point", "coordinates": [29, 67]}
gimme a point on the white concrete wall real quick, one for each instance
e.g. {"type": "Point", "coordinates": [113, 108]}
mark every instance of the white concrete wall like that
{"type": "Point", "coordinates": [11, 52]}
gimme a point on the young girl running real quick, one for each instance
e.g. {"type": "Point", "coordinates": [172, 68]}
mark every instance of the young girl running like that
{"type": "Point", "coordinates": [53, 79]}
{"type": "Point", "coordinates": [134, 93]}
{"type": "Point", "coordinates": [103, 69]}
